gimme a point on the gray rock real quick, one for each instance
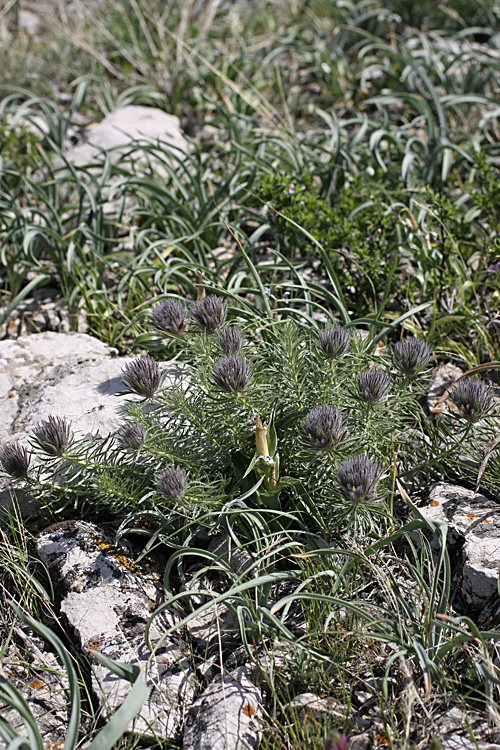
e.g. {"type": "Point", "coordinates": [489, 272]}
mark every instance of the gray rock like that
{"type": "Point", "coordinates": [107, 601]}
{"type": "Point", "coordinates": [213, 629]}
{"type": "Point", "coordinates": [309, 704]}
{"type": "Point", "coordinates": [225, 716]}
{"type": "Point", "coordinates": [474, 529]}
{"type": "Point", "coordinates": [40, 678]}
{"type": "Point", "coordinates": [238, 559]}
{"type": "Point", "coordinates": [442, 379]}
{"type": "Point", "coordinates": [117, 133]}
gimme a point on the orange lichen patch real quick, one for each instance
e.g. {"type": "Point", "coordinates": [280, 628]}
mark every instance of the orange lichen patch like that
{"type": "Point", "coordinates": [93, 644]}
{"type": "Point", "coordinates": [248, 710]}
{"type": "Point", "coordinates": [115, 553]}
{"type": "Point", "coordinates": [11, 395]}
{"type": "Point", "coordinates": [486, 520]}
{"type": "Point", "coordinates": [470, 515]}
{"type": "Point", "coordinates": [381, 739]}
{"type": "Point", "coordinates": [434, 504]}
{"type": "Point", "coordinates": [36, 684]}
{"type": "Point", "coordinates": [53, 745]}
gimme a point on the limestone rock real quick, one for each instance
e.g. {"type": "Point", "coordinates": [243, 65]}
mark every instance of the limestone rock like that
{"type": "Point", "coordinates": [40, 678]}
{"type": "Point", "coordinates": [309, 704]}
{"type": "Point", "coordinates": [225, 716]}
{"type": "Point", "coordinates": [119, 130]}
{"type": "Point", "coordinates": [443, 378]}
{"type": "Point", "coordinates": [474, 529]}
{"type": "Point", "coordinates": [108, 600]}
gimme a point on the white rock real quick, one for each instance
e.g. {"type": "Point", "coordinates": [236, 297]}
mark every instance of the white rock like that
{"type": "Point", "coordinates": [225, 716]}
{"type": "Point", "coordinates": [108, 601]}
{"type": "Point", "coordinates": [316, 707]}
{"type": "Point", "coordinates": [118, 131]}
{"type": "Point", "coordinates": [474, 529]}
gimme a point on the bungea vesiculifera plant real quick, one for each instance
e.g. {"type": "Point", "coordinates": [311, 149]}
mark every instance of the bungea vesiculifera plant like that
{"type": "Point", "coordinates": [282, 417]}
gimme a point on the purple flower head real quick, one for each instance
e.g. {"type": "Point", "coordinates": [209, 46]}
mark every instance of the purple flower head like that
{"type": "Point", "coordinates": [474, 398]}
{"type": "Point", "coordinates": [169, 317]}
{"type": "Point", "coordinates": [230, 340]}
{"type": "Point", "coordinates": [53, 435]}
{"type": "Point", "coordinates": [337, 741]}
{"type": "Point", "coordinates": [142, 376]}
{"type": "Point", "coordinates": [209, 313]}
{"type": "Point", "coordinates": [334, 342]}
{"type": "Point", "coordinates": [411, 355]}
{"type": "Point", "coordinates": [131, 436]}
{"type": "Point", "coordinates": [232, 373]}
{"type": "Point", "coordinates": [357, 479]}
{"type": "Point", "coordinates": [14, 460]}
{"type": "Point", "coordinates": [372, 385]}
{"type": "Point", "coordinates": [172, 482]}
{"type": "Point", "coordinates": [324, 427]}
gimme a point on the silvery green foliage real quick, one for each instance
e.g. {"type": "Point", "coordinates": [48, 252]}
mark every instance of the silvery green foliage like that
{"type": "Point", "coordinates": [52, 435]}
{"type": "Point", "coordinates": [204, 429]}
{"type": "Point", "coordinates": [209, 313]}
{"type": "Point", "coordinates": [14, 460]}
{"type": "Point", "coordinates": [142, 376]}
{"type": "Point", "coordinates": [170, 316]}
{"type": "Point", "coordinates": [474, 398]}
{"type": "Point", "coordinates": [411, 355]}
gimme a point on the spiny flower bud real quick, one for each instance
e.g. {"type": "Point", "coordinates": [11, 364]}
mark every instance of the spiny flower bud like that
{"type": "Point", "coordinates": [169, 317]}
{"type": "Point", "coordinates": [324, 427]}
{"type": "Point", "coordinates": [232, 373]}
{"type": "Point", "coordinates": [411, 355]}
{"type": "Point", "coordinates": [357, 479]}
{"type": "Point", "coordinates": [209, 313]}
{"type": "Point", "coordinates": [474, 398]}
{"type": "Point", "coordinates": [142, 376]}
{"type": "Point", "coordinates": [230, 340]}
{"type": "Point", "coordinates": [53, 435]}
{"type": "Point", "coordinates": [334, 342]}
{"type": "Point", "coordinates": [172, 482]}
{"type": "Point", "coordinates": [372, 385]}
{"type": "Point", "coordinates": [131, 436]}
{"type": "Point", "coordinates": [14, 460]}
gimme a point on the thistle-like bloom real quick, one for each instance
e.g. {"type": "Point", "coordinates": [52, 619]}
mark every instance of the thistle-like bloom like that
{"type": "Point", "coordinates": [14, 460]}
{"type": "Point", "coordinates": [324, 427]}
{"type": "Point", "coordinates": [172, 482]}
{"type": "Point", "coordinates": [337, 742]}
{"type": "Point", "coordinates": [232, 373]}
{"type": "Point", "coordinates": [142, 376]}
{"type": "Point", "coordinates": [209, 313]}
{"type": "Point", "coordinates": [357, 479]}
{"type": "Point", "coordinates": [53, 435]}
{"type": "Point", "coordinates": [474, 398]}
{"type": "Point", "coordinates": [169, 317]}
{"type": "Point", "coordinates": [372, 385]}
{"type": "Point", "coordinates": [230, 340]}
{"type": "Point", "coordinates": [334, 342]}
{"type": "Point", "coordinates": [131, 436]}
{"type": "Point", "coordinates": [411, 355]}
